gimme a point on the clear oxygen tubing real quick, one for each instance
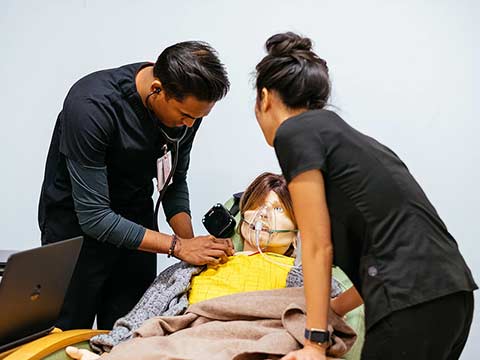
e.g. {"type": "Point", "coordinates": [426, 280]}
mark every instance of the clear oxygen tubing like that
{"type": "Point", "coordinates": [258, 227]}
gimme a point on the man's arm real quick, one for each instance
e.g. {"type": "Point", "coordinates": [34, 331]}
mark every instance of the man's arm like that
{"type": "Point", "coordinates": [181, 225]}
{"type": "Point", "coordinates": [98, 220]}
{"type": "Point", "coordinates": [91, 200]}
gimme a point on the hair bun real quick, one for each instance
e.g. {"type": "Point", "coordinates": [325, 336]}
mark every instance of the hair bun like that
{"type": "Point", "coordinates": [285, 44]}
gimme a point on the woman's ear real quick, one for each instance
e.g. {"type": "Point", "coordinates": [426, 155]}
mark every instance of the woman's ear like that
{"type": "Point", "coordinates": [265, 100]}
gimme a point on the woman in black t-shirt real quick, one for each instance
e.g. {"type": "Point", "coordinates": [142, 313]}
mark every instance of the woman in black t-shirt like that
{"type": "Point", "coordinates": [358, 206]}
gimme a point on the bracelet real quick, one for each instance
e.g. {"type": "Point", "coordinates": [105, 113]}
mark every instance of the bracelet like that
{"type": "Point", "coordinates": [172, 245]}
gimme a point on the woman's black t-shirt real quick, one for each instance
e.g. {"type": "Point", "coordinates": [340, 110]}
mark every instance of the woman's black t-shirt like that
{"type": "Point", "coordinates": [386, 234]}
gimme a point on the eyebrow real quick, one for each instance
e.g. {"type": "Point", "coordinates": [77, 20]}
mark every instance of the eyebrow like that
{"type": "Point", "coordinates": [187, 115]}
{"type": "Point", "coordinates": [276, 203]}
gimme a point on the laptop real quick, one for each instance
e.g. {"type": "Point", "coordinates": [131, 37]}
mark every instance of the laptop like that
{"type": "Point", "coordinates": [32, 291]}
{"type": "Point", "coordinates": [4, 255]}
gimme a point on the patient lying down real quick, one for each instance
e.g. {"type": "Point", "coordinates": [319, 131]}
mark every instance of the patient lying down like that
{"type": "Point", "coordinates": [268, 231]}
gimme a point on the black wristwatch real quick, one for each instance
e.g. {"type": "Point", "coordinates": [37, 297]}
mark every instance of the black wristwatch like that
{"type": "Point", "coordinates": [319, 336]}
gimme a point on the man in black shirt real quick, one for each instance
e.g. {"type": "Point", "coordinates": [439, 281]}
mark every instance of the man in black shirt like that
{"type": "Point", "coordinates": [118, 129]}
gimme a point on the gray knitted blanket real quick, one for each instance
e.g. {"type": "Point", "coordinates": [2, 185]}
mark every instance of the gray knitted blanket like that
{"type": "Point", "coordinates": [168, 296]}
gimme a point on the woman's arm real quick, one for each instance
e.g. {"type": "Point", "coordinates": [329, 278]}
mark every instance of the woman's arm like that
{"type": "Point", "coordinates": [346, 301]}
{"type": "Point", "coordinates": [310, 206]}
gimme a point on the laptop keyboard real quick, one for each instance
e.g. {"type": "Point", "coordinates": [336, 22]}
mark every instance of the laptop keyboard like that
{"type": "Point", "coordinates": [2, 268]}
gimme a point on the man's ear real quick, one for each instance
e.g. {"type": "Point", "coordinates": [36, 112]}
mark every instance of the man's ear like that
{"type": "Point", "coordinates": [156, 86]}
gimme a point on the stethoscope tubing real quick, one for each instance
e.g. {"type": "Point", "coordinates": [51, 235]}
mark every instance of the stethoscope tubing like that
{"type": "Point", "coordinates": [176, 145]}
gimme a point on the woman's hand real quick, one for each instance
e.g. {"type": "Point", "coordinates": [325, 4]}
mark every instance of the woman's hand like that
{"type": "Point", "coordinates": [202, 250]}
{"type": "Point", "coordinates": [80, 354]}
{"type": "Point", "coordinates": [309, 352]}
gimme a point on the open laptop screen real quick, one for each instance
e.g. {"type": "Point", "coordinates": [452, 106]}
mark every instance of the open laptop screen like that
{"type": "Point", "coordinates": [4, 255]}
{"type": "Point", "coordinates": [32, 290]}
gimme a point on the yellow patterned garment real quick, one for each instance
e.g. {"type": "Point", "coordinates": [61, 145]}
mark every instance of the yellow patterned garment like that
{"type": "Point", "coordinates": [241, 273]}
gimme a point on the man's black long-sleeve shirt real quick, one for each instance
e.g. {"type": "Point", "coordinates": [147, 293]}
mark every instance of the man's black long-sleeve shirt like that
{"type": "Point", "coordinates": [104, 124]}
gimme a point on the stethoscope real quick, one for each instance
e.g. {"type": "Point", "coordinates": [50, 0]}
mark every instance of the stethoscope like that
{"type": "Point", "coordinates": [176, 146]}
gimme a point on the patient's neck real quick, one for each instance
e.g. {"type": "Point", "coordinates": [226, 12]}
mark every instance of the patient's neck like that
{"type": "Point", "coordinates": [248, 247]}
{"type": "Point", "coordinates": [277, 249]}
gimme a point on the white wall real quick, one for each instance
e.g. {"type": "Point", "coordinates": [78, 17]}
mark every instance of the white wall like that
{"type": "Point", "coordinates": [403, 72]}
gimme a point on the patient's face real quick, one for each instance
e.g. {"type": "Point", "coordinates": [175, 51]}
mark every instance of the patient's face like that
{"type": "Point", "coordinates": [273, 215]}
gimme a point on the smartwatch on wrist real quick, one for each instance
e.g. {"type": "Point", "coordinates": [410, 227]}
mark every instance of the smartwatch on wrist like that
{"type": "Point", "coordinates": [319, 336]}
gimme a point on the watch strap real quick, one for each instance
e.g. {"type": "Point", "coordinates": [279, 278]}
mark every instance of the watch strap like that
{"type": "Point", "coordinates": [317, 335]}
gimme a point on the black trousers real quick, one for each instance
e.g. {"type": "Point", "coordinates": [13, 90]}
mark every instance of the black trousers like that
{"type": "Point", "coordinates": [435, 330]}
{"type": "Point", "coordinates": [107, 283]}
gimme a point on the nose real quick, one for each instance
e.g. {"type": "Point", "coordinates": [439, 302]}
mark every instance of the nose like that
{"type": "Point", "coordinates": [189, 122]}
{"type": "Point", "coordinates": [264, 213]}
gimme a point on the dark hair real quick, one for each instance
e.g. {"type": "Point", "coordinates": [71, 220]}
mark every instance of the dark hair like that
{"type": "Point", "coordinates": [192, 68]}
{"type": "Point", "coordinates": [294, 71]}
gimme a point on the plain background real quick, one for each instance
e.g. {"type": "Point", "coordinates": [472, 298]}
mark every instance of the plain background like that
{"type": "Point", "coordinates": [402, 71]}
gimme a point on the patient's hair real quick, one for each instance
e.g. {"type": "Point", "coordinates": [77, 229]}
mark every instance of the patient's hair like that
{"type": "Point", "coordinates": [258, 190]}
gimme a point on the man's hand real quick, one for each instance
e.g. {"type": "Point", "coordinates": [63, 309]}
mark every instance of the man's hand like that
{"type": "Point", "coordinates": [309, 352]}
{"type": "Point", "coordinates": [203, 250]}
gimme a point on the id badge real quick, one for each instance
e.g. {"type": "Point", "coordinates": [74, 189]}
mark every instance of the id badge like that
{"type": "Point", "coordinates": [164, 168]}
